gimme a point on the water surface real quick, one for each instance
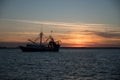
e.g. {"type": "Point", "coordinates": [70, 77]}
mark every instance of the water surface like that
{"type": "Point", "coordinates": [67, 64]}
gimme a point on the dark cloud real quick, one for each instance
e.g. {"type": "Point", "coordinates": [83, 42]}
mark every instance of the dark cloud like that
{"type": "Point", "coordinates": [106, 34]}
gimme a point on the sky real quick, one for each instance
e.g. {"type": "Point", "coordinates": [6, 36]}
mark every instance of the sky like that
{"type": "Point", "coordinates": [76, 23]}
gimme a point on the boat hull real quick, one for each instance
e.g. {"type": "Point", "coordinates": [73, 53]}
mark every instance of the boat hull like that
{"type": "Point", "coordinates": [30, 49]}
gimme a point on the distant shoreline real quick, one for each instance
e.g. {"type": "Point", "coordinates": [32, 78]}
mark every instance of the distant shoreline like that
{"type": "Point", "coordinates": [70, 47]}
{"type": "Point", "coordinates": [90, 47]}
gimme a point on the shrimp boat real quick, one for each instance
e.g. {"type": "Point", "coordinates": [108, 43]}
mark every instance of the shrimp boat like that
{"type": "Point", "coordinates": [45, 44]}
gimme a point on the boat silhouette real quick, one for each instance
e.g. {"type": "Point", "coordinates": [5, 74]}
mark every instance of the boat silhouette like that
{"type": "Point", "coordinates": [48, 44]}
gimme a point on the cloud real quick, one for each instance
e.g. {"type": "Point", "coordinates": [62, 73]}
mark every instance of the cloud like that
{"type": "Point", "coordinates": [64, 24]}
{"type": "Point", "coordinates": [58, 27]}
{"type": "Point", "coordinates": [114, 34]}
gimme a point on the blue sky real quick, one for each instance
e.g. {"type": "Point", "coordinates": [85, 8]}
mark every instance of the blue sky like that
{"type": "Point", "coordinates": [86, 11]}
{"type": "Point", "coordinates": [82, 22]}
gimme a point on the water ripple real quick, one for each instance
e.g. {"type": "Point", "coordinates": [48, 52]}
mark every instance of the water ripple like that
{"type": "Point", "coordinates": [68, 64]}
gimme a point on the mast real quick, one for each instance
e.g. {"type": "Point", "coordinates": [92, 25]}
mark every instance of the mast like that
{"type": "Point", "coordinates": [51, 38]}
{"type": "Point", "coordinates": [41, 35]}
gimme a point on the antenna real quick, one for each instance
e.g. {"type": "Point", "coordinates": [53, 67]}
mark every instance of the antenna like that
{"type": "Point", "coordinates": [51, 32]}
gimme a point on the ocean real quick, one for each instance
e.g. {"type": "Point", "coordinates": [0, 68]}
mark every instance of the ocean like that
{"type": "Point", "coordinates": [67, 64]}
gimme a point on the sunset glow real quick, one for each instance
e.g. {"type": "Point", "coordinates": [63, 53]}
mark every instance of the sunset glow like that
{"type": "Point", "coordinates": [74, 24]}
{"type": "Point", "coordinates": [79, 35]}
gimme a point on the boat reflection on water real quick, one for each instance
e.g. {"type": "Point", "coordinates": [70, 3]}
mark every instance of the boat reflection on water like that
{"type": "Point", "coordinates": [46, 44]}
